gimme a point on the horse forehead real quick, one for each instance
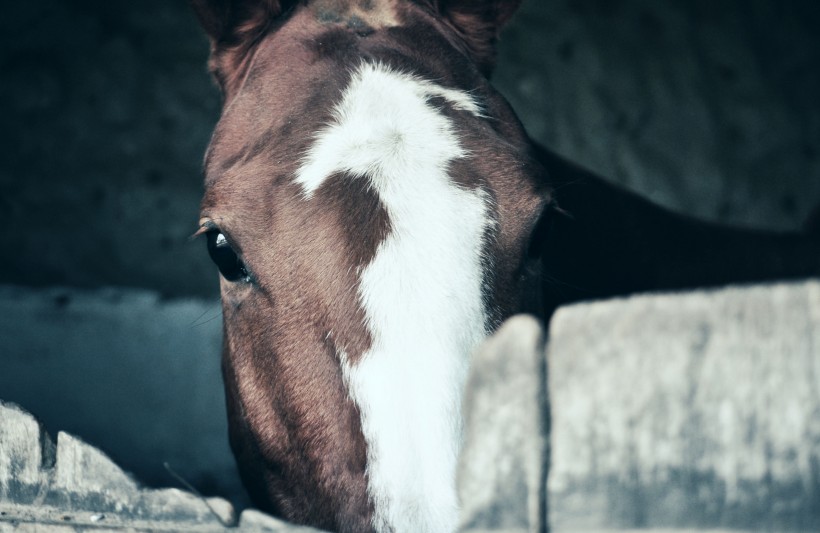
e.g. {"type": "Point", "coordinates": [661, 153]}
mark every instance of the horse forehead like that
{"type": "Point", "coordinates": [261, 138]}
{"type": "Point", "coordinates": [384, 124]}
{"type": "Point", "coordinates": [299, 72]}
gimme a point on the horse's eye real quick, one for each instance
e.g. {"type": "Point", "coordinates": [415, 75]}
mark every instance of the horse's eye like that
{"type": "Point", "coordinates": [230, 266]}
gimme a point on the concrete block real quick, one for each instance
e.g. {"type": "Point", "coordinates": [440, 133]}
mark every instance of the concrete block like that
{"type": "Point", "coordinates": [83, 469]}
{"type": "Point", "coordinates": [78, 488]}
{"type": "Point", "coordinates": [503, 463]}
{"type": "Point", "coordinates": [25, 449]}
{"type": "Point", "coordinates": [697, 410]}
{"type": "Point", "coordinates": [253, 520]}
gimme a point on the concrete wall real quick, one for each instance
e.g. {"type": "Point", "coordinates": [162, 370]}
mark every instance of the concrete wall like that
{"type": "Point", "coordinates": [693, 411]}
{"type": "Point", "coordinates": [706, 106]}
{"type": "Point", "coordinates": [682, 412]}
{"type": "Point", "coordinates": [107, 112]}
{"type": "Point", "coordinates": [133, 374]}
{"type": "Point", "coordinates": [668, 412]}
{"type": "Point", "coordinates": [709, 107]}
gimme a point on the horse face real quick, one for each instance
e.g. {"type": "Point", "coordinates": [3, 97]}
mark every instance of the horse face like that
{"type": "Point", "coordinates": [369, 202]}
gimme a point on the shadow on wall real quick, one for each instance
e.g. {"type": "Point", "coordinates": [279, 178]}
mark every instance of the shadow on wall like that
{"type": "Point", "coordinates": [109, 112]}
{"type": "Point", "coordinates": [136, 375]}
{"type": "Point", "coordinates": [706, 106]}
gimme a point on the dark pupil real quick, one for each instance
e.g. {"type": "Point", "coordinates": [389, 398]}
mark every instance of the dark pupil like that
{"type": "Point", "coordinates": [228, 263]}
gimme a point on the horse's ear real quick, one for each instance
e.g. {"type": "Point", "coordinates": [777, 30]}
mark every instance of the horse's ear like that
{"type": "Point", "coordinates": [230, 22]}
{"type": "Point", "coordinates": [233, 27]}
{"type": "Point", "coordinates": [479, 22]}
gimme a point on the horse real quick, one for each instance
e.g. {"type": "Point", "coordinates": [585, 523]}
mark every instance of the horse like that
{"type": "Point", "coordinates": [375, 210]}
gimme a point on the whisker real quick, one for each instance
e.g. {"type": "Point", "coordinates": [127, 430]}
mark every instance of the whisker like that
{"type": "Point", "coordinates": [199, 322]}
{"type": "Point", "coordinates": [558, 286]}
{"type": "Point", "coordinates": [217, 316]}
{"type": "Point", "coordinates": [196, 493]}
{"type": "Point", "coordinates": [197, 319]}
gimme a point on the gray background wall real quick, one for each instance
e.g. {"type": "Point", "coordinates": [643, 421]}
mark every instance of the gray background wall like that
{"type": "Point", "coordinates": [708, 107]}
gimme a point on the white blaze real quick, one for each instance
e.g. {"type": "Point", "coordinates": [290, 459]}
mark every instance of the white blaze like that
{"type": "Point", "coordinates": [421, 293]}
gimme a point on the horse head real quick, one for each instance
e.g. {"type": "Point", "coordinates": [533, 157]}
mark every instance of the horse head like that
{"type": "Point", "coordinates": [370, 201]}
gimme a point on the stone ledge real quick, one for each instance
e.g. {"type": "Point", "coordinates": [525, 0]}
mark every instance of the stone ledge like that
{"type": "Point", "coordinates": [504, 459]}
{"type": "Point", "coordinates": [76, 487]}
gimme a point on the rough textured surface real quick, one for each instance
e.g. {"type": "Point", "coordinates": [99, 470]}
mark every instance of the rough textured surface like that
{"type": "Point", "coordinates": [127, 371]}
{"type": "Point", "coordinates": [81, 358]}
{"type": "Point", "coordinates": [107, 110]}
{"type": "Point", "coordinates": [708, 106]}
{"type": "Point", "coordinates": [503, 463]}
{"type": "Point", "coordinates": [688, 410]}
{"type": "Point", "coordinates": [75, 487]}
